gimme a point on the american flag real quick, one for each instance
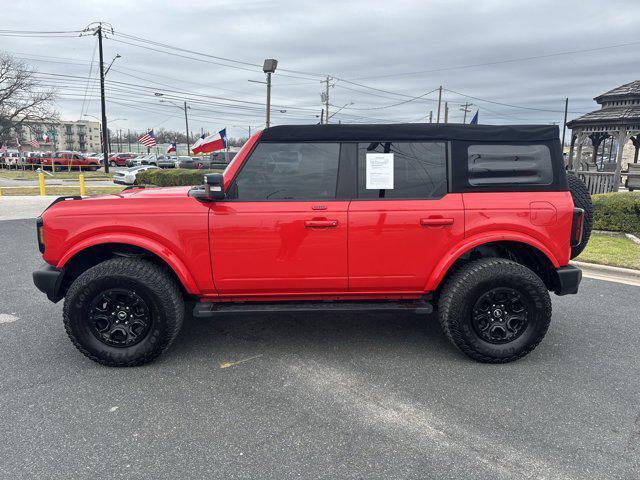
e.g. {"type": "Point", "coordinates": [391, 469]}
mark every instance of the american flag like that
{"type": "Point", "coordinates": [148, 140]}
{"type": "Point", "coordinates": [34, 143]}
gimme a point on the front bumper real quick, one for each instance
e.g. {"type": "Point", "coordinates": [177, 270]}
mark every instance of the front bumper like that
{"type": "Point", "coordinates": [567, 280]}
{"type": "Point", "coordinates": [48, 279]}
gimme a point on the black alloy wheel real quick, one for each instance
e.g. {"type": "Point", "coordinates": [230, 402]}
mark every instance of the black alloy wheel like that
{"type": "Point", "coordinates": [119, 317]}
{"type": "Point", "coordinates": [500, 315]}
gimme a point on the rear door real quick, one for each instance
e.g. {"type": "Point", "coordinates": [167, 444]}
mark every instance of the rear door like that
{"type": "Point", "coordinates": [283, 227]}
{"type": "Point", "coordinates": [399, 233]}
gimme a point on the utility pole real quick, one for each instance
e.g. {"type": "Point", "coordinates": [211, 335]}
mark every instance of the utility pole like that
{"type": "Point", "coordinates": [446, 112]}
{"type": "Point", "coordinates": [105, 135]}
{"type": "Point", "coordinates": [129, 138]}
{"type": "Point", "coordinates": [431, 116]}
{"type": "Point", "coordinates": [186, 124]}
{"type": "Point", "coordinates": [465, 108]}
{"type": "Point", "coordinates": [326, 100]}
{"type": "Point", "coordinates": [321, 116]}
{"type": "Point", "coordinates": [564, 125]}
{"type": "Point", "coordinates": [439, 103]}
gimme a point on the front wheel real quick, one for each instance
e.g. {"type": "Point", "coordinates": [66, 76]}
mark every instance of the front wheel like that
{"type": "Point", "coordinates": [112, 163]}
{"type": "Point", "coordinates": [495, 310]}
{"type": "Point", "coordinates": [123, 312]}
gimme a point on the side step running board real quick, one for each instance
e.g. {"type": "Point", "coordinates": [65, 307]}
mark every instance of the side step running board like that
{"type": "Point", "coordinates": [211, 309]}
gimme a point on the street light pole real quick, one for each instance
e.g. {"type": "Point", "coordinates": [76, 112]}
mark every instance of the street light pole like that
{"type": "Point", "coordinates": [269, 66]}
{"type": "Point", "coordinates": [185, 107]}
{"type": "Point", "coordinates": [268, 121]}
{"type": "Point", "coordinates": [105, 135]}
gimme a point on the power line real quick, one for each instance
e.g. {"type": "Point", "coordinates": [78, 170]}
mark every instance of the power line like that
{"type": "Point", "coordinates": [82, 112]}
{"type": "Point", "coordinates": [195, 52]}
{"type": "Point", "coordinates": [182, 92]}
{"type": "Point", "coordinates": [419, 97]}
{"type": "Point", "coordinates": [40, 31]}
{"type": "Point", "coordinates": [508, 104]}
{"type": "Point", "coordinates": [499, 62]}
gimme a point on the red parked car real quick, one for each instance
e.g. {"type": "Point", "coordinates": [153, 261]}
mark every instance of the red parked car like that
{"type": "Point", "coordinates": [475, 222]}
{"type": "Point", "coordinates": [120, 159]}
{"type": "Point", "coordinates": [74, 160]}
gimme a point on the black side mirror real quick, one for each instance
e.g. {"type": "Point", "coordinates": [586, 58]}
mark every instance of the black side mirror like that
{"type": "Point", "coordinates": [214, 186]}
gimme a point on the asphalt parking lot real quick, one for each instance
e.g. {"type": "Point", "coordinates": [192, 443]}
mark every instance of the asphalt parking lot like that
{"type": "Point", "coordinates": [318, 396]}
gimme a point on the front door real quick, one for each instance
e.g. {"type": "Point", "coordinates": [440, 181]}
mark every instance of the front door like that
{"type": "Point", "coordinates": [398, 234]}
{"type": "Point", "coordinates": [282, 229]}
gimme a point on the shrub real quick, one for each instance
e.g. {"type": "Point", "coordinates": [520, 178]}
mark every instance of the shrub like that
{"type": "Point", "coordinates": [175, 177]}
{"type": "Point", "coordinates": [618, 212]}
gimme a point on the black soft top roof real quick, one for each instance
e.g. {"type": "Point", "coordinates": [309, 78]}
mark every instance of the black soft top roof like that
{"type": "Point", "coordinates": [410, 132]}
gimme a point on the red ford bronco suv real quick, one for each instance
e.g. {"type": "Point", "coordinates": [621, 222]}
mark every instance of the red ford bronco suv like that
{"type": "Point", "coordinates": [476, 222]}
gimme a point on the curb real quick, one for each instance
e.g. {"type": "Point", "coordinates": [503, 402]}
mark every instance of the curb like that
{"type": "Point", "coordinates": [606, 272]}
{"type": "Point", "coordinates": [608, 233]}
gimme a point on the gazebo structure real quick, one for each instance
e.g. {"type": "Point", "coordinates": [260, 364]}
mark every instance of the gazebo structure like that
{"type": "Point", "coordinates": [618, 118]}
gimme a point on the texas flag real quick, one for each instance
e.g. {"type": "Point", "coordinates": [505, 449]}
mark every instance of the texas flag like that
{"type": "Point", "coordinates": [211, 143]}
{"type": "Point", "coordinates": [172, 148]}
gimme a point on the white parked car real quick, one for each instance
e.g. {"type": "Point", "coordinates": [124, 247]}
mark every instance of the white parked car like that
{"type": "Point", "coordinates": [128, 176]}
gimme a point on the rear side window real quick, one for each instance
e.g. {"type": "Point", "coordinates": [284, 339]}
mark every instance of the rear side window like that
{"type": "Point", "coordinates": [419, 170]}
{"type": "Point", "coordinates": [289, 171]}
{"type": "Point", "coordinates": [495, 165]}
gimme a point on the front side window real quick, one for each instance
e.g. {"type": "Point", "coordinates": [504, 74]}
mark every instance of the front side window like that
{"type": "Point", "coordinates": [495, 165]}
{"type": "Point", "coordinates": [289, 171]}
{"type": "Point", "coordinates": [408, 170]}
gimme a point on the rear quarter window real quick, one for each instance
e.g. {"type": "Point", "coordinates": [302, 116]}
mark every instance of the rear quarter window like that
{"type": "Point", "coordinates": [499, 165]}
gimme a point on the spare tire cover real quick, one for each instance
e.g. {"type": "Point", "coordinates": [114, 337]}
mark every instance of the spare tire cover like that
{"type": "Point", "coordinates": [581, 199]}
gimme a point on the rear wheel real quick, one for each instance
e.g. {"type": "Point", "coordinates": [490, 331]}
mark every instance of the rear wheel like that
{"type": "Point", "coordinates": [123, 312]}
{"type": "Point", "coordinates": [494, 310]}
{"type": "Point", "coordinates": [581, 199]}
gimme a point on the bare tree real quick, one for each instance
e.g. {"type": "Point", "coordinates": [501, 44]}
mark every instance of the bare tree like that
{"type": "Point", "coordinates": [24, 101]}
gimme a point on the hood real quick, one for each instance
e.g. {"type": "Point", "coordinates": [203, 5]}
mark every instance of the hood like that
{"type": "Point", "coordinates": [165, 192]}
{"type": "Point", "coordinates": [79, 205]}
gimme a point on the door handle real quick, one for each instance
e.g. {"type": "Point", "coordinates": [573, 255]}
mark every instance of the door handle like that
{"type": "Point", "coordinates": [321, 223]}
{"type": "Point", "coordinates": [436, 222]}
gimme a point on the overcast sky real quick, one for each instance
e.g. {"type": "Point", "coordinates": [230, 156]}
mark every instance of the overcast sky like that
{"type": "Point", "coordinates": [400, 49]}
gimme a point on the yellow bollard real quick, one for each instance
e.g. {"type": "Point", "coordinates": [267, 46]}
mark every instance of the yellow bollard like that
{"type": "Point", "coordinates": [41, 182]}
{"type": "Point", "coordinates": [81, 180]}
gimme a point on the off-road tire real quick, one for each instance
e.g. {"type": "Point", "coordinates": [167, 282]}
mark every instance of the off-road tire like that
{"type": "Point", "coordinates": [468, 284]}
{"type": "Point", "coordinates": [581, 199]}
{"type": "Point", "coordinates": [146, 279]}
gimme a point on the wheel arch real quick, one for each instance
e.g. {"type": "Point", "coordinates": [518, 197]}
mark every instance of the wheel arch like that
{"type": "Point", "coordinates": [94, 250]}
{"type": "Point", "coordinates": [515, 246]}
